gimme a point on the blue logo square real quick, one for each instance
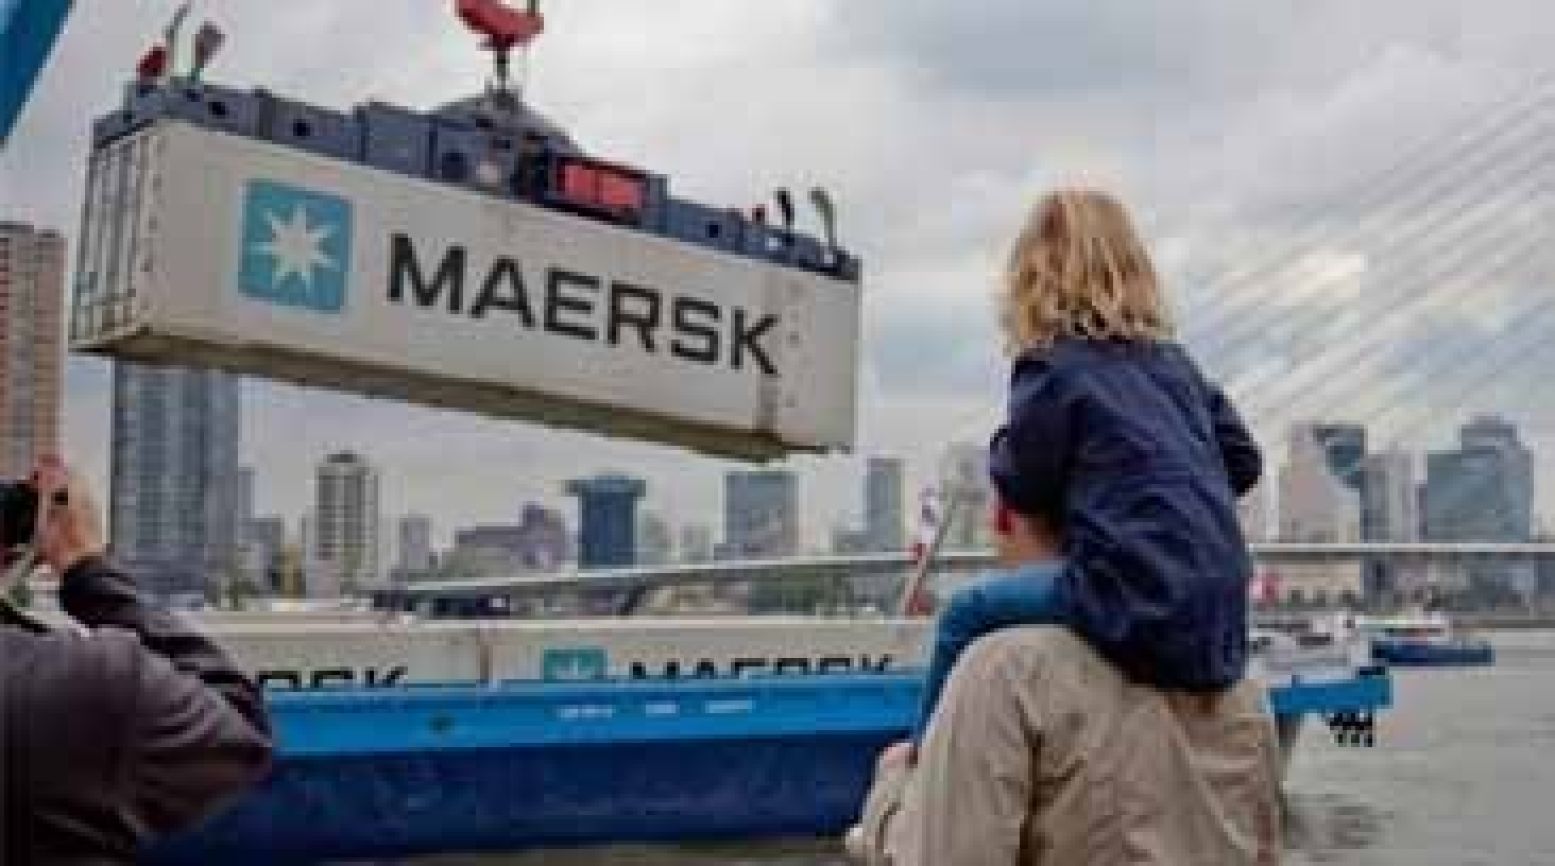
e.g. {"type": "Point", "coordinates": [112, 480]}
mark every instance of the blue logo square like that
{"type": "Point", "coordinates": [574, 665]}
{"type": "Point", "coordinates": [296, 247]}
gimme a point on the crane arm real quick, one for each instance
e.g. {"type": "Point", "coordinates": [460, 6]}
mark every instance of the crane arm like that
{"type": "Point", "coordinates": [28, 31]}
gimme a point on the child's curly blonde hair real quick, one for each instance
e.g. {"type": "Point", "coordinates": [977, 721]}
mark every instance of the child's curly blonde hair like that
{"type": "Point", "coordinates": [1079, 270]}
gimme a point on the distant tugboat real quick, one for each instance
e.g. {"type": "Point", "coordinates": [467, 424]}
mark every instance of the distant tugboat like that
{"type": "Point", "coordinates": [1423, 639]}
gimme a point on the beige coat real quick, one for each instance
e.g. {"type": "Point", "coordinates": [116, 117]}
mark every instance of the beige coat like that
{"type": "Point", "coordinates": [1042, 754]}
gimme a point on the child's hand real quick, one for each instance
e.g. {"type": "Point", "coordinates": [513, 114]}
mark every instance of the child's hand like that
{"type": "Point", "coordinates": [902, 754]}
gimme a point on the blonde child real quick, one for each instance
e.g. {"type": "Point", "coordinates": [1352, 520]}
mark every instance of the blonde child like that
{"type": "Point", "coordinates": [1132, 460]}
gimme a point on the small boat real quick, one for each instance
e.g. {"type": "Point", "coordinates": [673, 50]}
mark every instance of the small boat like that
{"type": "Point", "coordinates": [1423, 639]}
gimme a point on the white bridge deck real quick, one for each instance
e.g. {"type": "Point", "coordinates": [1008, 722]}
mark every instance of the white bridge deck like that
{"type": "Point", "coordinates": [889, 564]}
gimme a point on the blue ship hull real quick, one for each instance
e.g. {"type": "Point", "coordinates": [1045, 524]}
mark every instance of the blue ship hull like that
{"type": "Point", "coordinates": [400, 773]}
{"type": "Point", "coordinates": [1415, 654]}
{"type": "Point", "coordinates": [512, 799]}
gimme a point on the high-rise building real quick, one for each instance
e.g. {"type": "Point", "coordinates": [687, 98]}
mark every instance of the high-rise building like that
{"type": "Point", "coordinates": [696, 543]}
{"type": "Point", "coordinates": [414, 557]}
{"type": "Point", "coordinates": [243, 499]}
{"type": "Point", "coordinates": [884, 519]}
{"type": "Point", "coordinates": [269, 533]}
{"type": "Point", "coordinates": [265, 553]}
{"type": "Point", "coordinates": [1316, 505]}
{"type": "Point", "coordinates": [655, 541]}
{"type": "Point", "coordinates": [1390, 512]}
{"type": "Point", "coordinates": [761, 514]}
{"type": "Point", "coordinates": [1345, 447]}
{"type": "Point", "coordinates": [307, 551]}
{"type": "Point", "coordinates": [1389, 502]}
{"type": "Point", "coordinates": [32, 291]}
{"type": "Point", "coordinates": [490, 550]}
{"type": "Point", "coordinates": [1482, 491]}
{"type": "Point", "coordinates": [545, 544]}
{"type": "Point", "coordinates": [345, 526]}
{"type": "Point", "coordinates": [1253, 512]}
{"type": "Point", "coordinates": [1489, 431]}
{"type": "Point", "coordinates": [967, 496]}
{"type": "Point", "coordinates": [539, 542]}
{"type": "Point", "coordinates": [607, 520]}
{"type": "Point", "coordinates": [174, 467]}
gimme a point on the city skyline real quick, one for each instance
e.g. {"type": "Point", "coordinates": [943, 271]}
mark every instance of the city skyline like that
{"type": "Point", "coordinates": [1399, 478]}
{"type": "Point", "coordinates": [1331, 489]}
{"type": "Point", "coordinates": [1393, 471]}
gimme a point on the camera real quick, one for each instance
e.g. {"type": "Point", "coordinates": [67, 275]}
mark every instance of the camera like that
{"type": "Point", "coordinates": [18, 513]}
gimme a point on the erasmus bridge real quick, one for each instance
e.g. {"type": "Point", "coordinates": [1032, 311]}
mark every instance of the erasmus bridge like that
{"type": "Point", "coordinates": [895, 566]}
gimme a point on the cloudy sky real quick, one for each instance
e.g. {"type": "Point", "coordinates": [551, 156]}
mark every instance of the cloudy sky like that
{"type": "Point", "coordinates": [1350, 200]}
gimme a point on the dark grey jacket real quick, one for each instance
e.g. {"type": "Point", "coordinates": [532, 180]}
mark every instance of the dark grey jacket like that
{"type": "Point", "coordinates": [113, 737]}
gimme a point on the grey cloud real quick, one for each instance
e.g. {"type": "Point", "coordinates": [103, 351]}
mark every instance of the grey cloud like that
{"type": "Point", "coordinates": [1240, 131]}
{"type": "Point", "coordinates": [951, 354]}
{"type": "Point", "coordinates": [1186, 49]}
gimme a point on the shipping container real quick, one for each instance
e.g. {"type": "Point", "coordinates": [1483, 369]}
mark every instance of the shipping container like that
{"type": "Point", "coordinates": [285, 654]}
{"type": "Point", "coordinates": [208, 247]}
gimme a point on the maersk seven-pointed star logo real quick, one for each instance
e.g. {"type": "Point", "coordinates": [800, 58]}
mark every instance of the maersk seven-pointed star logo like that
{"type": "Point", "coordinates": [296, 246]}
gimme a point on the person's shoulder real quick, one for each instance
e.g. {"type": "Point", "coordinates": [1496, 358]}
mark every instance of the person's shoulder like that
{"type": "Point", "coordinates": [1072, 355]}
{"type": "Point", "coordinates": [66, 698]}
{"type": "Point", "coordinates": [1031, 362]}
{"type": "Point", "coordinates": [1027, 650]}
{"type": "Point", "coordinates": [1047, 370]}
{"type": "Point", "coordinates": [1030, 640]}
{"type": "Point", "coordinates": [69, 667]}
{"type": "Point", "coordinates": [1175, 355]}
{"type": "Point", "coordinates": [1156, 360]}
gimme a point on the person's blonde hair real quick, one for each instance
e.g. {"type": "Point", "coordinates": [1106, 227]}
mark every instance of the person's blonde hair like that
{"type": "Point", "coordinates": [1079, 270]}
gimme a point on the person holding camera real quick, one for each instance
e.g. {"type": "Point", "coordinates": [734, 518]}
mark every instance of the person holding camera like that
{"type": "Point", "coordinates": [127, 728]}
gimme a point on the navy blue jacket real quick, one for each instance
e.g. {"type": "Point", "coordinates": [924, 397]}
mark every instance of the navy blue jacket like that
{"type": "Point", "coordinates": [1142, 460]}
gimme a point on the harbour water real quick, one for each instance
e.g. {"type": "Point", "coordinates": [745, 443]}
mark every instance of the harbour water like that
{"type": "Point", "coordinates": [1464, 774]}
